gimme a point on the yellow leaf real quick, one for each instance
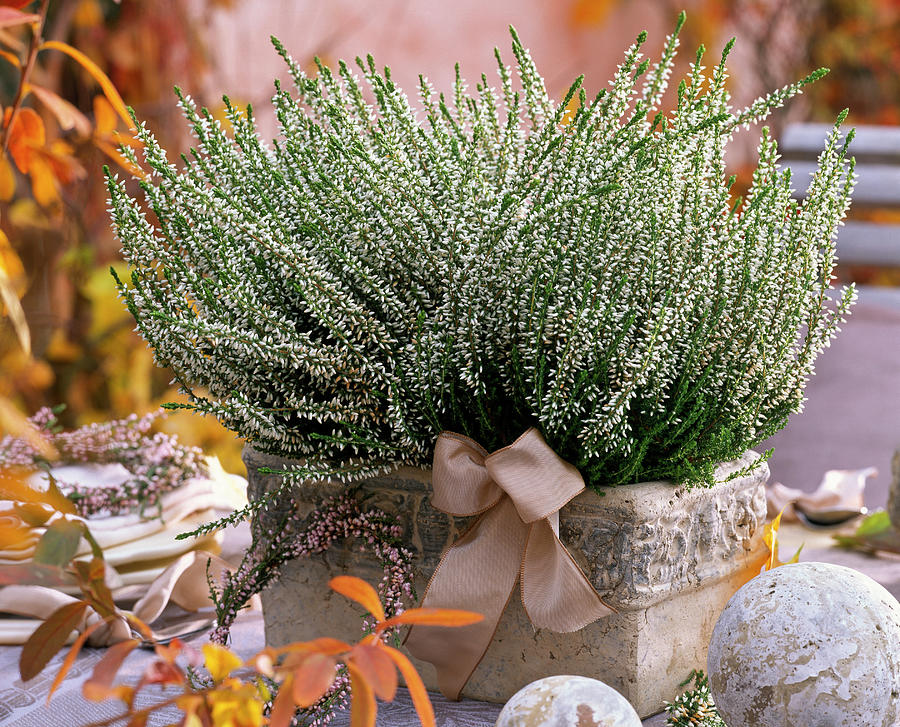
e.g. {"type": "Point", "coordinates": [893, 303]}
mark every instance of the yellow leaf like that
{"type": "Point", "coordinates": [770, 538]}
{"type": "Point", "coordinates": [97, 73]}
{"type": "Point", "coordinates": [10, 264]}
{"type": "Point", "coordinates": [12, 278]}
{"type": "Point", "coordinates": [219, 661]}
{"type": "Point", "coordinates": [7, 180]}
{"type": "Point", "coordinates": [24, 212]}
{"type": "Point", "coordinates": [43, 182]}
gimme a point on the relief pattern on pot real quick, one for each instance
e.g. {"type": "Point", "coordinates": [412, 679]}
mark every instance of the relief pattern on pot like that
{"type": "Point", "coordinates": [639, 544]}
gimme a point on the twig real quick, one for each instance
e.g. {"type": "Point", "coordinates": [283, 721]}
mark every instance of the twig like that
{"type": "Point", "coordinates": [37, 30]}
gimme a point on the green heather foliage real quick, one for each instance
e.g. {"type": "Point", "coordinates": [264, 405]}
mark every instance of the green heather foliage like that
{"type": "Point", "coordinates": [484, 263]}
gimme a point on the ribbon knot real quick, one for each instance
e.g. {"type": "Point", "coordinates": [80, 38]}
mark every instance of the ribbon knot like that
{"type": "Point", "coordinates": [518, 492]}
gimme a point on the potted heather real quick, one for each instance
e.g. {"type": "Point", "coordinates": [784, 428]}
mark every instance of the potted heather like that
{"type": "Point", "coordinates": [570, 278]}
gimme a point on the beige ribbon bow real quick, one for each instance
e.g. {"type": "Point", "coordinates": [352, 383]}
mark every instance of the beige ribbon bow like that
{"type": "Point", "coordinates": [518, 491]}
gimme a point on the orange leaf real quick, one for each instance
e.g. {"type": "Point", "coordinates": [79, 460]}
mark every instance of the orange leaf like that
{"type": "Point", "coordinates": [414, 684]}
{"type": "Point", "coordinates": [99, 76]}
{"type": "Point", "coordinates": [71, 656]}
{"type": "Point", "coordinates": [105, 120]}
{"type": "Point", "coordinates": [14, 486]}
{"type": "Point", "coordinates": [7, 180]}
{"type": "Point", "coordinates": [377, 668]}
{"type": "Point", "coordinates": [358, 590]}
{"type": "Point", "coordinates": [49, 638]}
{"type": "Point", "coordinates": [362, 707]}
{"type": "Point", "coordinates": [25, 133]}
{"type": "Point", "coordinates": [433, 617]}
{"type": "Point", "coordinates": [10, 17]}
{"type": "Point", "coordinates": [323, 645]}
{"type": "Point", "coordinates": [312, 678]}
{"type": "Point", "coordinates": [283, 708]}
{"type": "Point", "coordinates": [68, 116]}
{"type": "Point", "coordinates": [99, 686]}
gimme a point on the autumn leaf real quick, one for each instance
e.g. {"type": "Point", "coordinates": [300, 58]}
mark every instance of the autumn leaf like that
{"type": "Point", "coordinates": [49, 638]}
{"type": "Point", "coordinates": [12, 281]}
{"type": "Point", "coordinates": [11, 16]}
{"type": "Point", "coordinates": [71, 656]}
{"type": "Point", "coordinates": [7, 180]}
{"type": "Point", "coordinates": [67, 115]}
{"type": "Point", "coordinates": [92, 577]}
{"type": "Point", "coordinates": [770, 537]}
{"type": "Point", "coordinates": [283, 708]}
{"type": "Point", "coordinates": [219, 661]}
{"type": "Point", "coordinates": [358, 590]}
{"type": "Point", "coordinates": [59, 543]}
{"type": "Point", "coordinates": [25, 133]}
{"type": "Point", "coordinates": [376, 667]}
{"type": "Point", "coordinates": [312, 678]}
{"type": "Point", "coordinates": [433, 617]}
{"type": "Point", "coordinates": [414, 684]}
{"type": "Point", "coordinates": [363, 707]}
{"type": "Point", "coordinates": [99, 686]}
{"type": "Point", "coordinates": [98, 75]}
{"type": "Point", "coordinates": [14, 485]}
{"type": "Point", "coordinates": [35, 574]}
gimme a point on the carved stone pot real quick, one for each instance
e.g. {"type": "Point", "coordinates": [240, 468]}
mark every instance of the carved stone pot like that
{"type": "Point", "coordinates": [666, 558]}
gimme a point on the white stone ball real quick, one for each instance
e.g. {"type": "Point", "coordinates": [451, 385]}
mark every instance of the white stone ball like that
{"type": "Point", "coordinates": [808, 645]}
{"type": "Point", "coordinates": [568, 701]}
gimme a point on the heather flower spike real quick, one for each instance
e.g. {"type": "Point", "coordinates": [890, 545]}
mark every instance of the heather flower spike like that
{"type": "Point", "coordinates": [485, 261]}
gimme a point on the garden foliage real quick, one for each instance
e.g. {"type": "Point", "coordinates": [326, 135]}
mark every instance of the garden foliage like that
{"type": "Point", "coordinates": [485, 262]}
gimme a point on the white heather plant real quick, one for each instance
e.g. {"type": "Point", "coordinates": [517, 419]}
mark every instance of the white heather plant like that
{"type": "Point", "coordinates": [488, 262]}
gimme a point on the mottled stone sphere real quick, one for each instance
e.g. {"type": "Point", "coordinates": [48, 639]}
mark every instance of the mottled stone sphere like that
{"type": "Point", "coordinates": [808, 645]}
{"type": "Point", "coordinates": [568, 701]}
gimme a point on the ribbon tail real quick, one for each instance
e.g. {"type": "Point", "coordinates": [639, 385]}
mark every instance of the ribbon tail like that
{"type": "Point", "coordinates": [477, 573]}
{"type": "Point", "coordinates": [555, 592]}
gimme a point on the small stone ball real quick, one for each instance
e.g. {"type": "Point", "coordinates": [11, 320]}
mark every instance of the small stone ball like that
{"type": "Point", "coordinates": [568, 701]}
{"type": "Point", "coordinates": [808, 645]}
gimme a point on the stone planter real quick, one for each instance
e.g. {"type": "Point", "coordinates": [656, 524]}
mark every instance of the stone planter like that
{"type": "Point", "coordinates": [666, 558]}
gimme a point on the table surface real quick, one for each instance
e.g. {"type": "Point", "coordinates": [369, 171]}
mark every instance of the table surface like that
{"type": "Point", "coordinates": [25, 704]}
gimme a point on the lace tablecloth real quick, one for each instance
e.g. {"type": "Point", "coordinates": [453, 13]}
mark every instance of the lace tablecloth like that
{"type": "Point", "coordinates": [25, 704]}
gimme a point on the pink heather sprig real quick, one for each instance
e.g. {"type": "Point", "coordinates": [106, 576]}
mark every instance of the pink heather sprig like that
{"type": "Point", "coordinates": [337, 519]}
{"type": "Point", "coordinates": [156, 461]}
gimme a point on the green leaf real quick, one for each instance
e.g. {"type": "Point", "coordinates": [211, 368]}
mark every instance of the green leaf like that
{"type": "Point", "coordinates": [874, 524]}
{"type": "Point", "coordinates": [59, 543]}
{"type": "Point", "coordinates": [49, 638]}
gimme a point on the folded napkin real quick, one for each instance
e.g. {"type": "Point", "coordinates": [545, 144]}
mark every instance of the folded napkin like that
{"type": "Point", "coordinates": [182, 583]}
{"type": "Point", "coordinates": [142, 555]}
{"type": "Point", "coordinates": [220, 491]}
{"type": "Point", "coordinates": [838, 489]}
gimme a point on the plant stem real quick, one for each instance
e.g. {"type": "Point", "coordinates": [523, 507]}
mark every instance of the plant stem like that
{"type": "Point", "coordinates": [37, 31]}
